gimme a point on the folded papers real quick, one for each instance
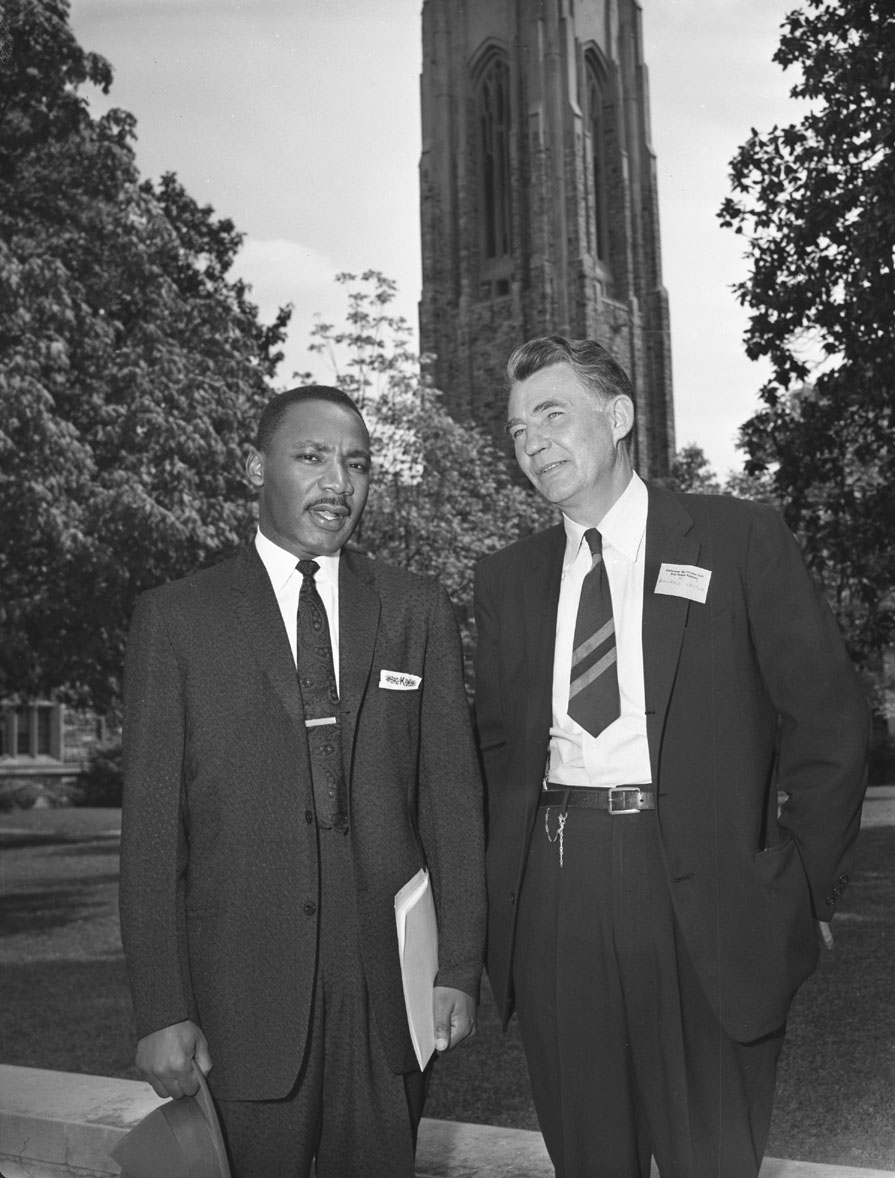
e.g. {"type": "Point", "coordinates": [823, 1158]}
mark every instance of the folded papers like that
{"type": "Point", "coordinates": [418, 950]}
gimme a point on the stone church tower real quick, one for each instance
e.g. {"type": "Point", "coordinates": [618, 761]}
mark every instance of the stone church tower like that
{"type": "Point", "coordinates": [539, 208]}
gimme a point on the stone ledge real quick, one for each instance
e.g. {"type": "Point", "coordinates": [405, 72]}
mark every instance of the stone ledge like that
{"type": "Point", "coordinates": [452, 1149]}
{"type": "Point", "coordinates": [63, 1125]}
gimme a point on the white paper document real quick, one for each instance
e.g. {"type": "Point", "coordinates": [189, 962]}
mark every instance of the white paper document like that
{"type": "Point", "coordinates": [418, 950]}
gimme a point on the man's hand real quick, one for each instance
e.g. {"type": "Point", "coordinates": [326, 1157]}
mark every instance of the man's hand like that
{"type": "Point", "coordinates": [166, 1058]}
{"type": "Point", "coordinates": [454, 1017]}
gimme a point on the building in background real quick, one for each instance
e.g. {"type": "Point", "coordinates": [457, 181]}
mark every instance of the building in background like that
{"type": "Point", "coordinates": [539, 206]}
{"type": "Point", "coordinates": [43, 742]}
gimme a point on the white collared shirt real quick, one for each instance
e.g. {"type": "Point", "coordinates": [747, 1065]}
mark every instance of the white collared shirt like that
{"type": "Point", "coordinates": [286, 581]}
{"type": "Point", "coordinates": [620, 754]}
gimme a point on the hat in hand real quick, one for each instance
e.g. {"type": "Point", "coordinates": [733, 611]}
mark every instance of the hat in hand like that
{"type": "Point", "coordinates": [180, 1139]}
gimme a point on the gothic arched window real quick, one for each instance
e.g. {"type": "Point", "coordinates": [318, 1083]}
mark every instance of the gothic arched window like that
{"type": "Point", "coordinates": [596, 128]}
{"type": "Point", "coordinates": [493, 133]}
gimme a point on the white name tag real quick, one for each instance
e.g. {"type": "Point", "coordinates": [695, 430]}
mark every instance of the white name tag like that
{"type": "Point", "coordinates": [399, 681]}
{"type": "Point", "coordinates": [684, 580]}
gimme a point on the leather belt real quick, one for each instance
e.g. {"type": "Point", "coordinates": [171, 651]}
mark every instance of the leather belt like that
{"type": "Point", "coordinates": [620, 799]}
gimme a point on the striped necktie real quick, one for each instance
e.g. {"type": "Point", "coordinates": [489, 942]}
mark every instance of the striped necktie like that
{"type": "Point", "coordinates": [593, 688]}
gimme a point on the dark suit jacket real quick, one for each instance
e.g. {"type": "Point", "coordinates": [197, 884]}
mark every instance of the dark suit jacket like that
{"type": "Point", "coordinates": [219, 868]}
{"type": "Point", "coordinates": [748, 692]}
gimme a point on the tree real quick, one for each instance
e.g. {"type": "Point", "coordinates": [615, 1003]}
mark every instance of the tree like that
{"type": "Point", "coordinates": [814, 202]}
{"type": "Point", "coordinates": [690, 470]}
{"type": "Point", "coordinates": [131, 372]}
{"type": "Point", "coordinates": [443, 493]}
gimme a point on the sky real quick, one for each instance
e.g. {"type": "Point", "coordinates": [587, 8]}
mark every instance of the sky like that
{"type": "Point", "coordinates": [299, 120]}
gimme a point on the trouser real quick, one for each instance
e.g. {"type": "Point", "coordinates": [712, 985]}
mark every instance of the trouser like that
{"type": "Point", "coordinates": [626, 1057]}
{"type": "Point", "coordinates": [348, 1111]}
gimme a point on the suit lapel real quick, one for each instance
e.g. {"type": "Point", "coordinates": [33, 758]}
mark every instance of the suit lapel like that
{"type": "Point", "coordinates": [664, 617]}
{"type": "Point", "coordinates": [259, 616]}
{"type": "Point", "coordinates": [540, 602]}
{"type": "Point", "coordinates": [359, 610]}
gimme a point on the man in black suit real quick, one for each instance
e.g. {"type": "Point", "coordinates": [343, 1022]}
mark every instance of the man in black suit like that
{"type": "Point", "coordinates": [649, 673]}
{"type": "Point", "coordinates": [271, 816]}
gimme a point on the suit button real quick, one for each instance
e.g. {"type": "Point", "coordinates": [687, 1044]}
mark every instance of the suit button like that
{"type": "Point", "coordinates": [843, 879]}
{"type": "Point", "coordinates": [309, 816]}
{"type": "Point", "coordinates": [512, 897]}
{"type": "Point", "coordinates": [310, 909]}
{"type": "Point", "coordinates": [831, 901]}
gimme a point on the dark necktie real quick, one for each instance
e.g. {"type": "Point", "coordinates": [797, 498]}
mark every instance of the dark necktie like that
{"type": "Point", "coordinates": [593, 687]}
{"type": "Point", "coordinates": [320, 700]}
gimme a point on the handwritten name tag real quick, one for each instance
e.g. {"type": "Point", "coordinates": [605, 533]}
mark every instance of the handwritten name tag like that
{"type": "Point", "coordinates": [684, 580]}
{"type": "Point", "coordinates": [399, 681]}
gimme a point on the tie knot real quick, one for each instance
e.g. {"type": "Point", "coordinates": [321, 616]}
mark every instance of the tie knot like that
{"type": "Point", "coordinates": [594, 541]}
{"type": "Point", "coordinates": [308, 568]}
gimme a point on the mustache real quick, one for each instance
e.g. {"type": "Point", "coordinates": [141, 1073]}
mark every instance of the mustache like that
{"type": "Point", "coordinates": [329, 501]}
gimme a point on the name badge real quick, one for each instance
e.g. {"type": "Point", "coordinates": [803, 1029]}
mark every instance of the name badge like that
{"type": "Point", "coordinates": [684, 580]}
{"type": "Point", "coordinates": [399, 681]}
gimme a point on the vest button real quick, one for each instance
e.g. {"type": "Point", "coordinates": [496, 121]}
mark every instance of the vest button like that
{"type": "Point", "coordinates": [310, 909]}
{"type": "Point", "coordinates": [309, 816]}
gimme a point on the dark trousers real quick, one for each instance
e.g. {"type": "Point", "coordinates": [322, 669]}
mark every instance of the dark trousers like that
{"type": "Point", "coordinates": [626, 1057]}
{"type": "Point", "coordinates": [348, 1110]}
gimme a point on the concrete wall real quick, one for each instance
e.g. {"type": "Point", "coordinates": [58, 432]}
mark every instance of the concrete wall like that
{"type": "Point", "coordinates": [63, 1125]}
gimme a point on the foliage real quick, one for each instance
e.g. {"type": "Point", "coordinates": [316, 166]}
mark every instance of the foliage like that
{"type": "Point", "coordinates": [443, 494]}
{"type": "Point", "coordinates": [17, 793]}
{"type": "Point", "coordinates": [38, 791]}
{"type": "Point", "coordinates": [690, 470]}
{"type": "Point", "coordinates": [102, 780]}
{"type": "Point", "coordinates": [130, 369]}
{"type": "Point", "coordinates": [881, 758]}
{"type": "Point", "coordinates": [814, 202]}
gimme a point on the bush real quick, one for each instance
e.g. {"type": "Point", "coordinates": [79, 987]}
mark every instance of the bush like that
{"type": "Point", "coordinates": [881, 762]}
{"type": "Point", "coordinates": [102, 781]}
{"type": "Point", "coordinates": [17, 793]}
{"type": "Point", "coordinates": [41, 790]}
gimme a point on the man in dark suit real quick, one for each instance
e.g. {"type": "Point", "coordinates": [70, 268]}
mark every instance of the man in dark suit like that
{"type": "Point", "coordinates": [650, 672]}
{"type": "Point", "coordinates": [270, 818]}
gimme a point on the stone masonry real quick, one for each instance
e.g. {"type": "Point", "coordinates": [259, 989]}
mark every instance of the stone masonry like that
{"type": "Point", "coordinates": [576, 130]}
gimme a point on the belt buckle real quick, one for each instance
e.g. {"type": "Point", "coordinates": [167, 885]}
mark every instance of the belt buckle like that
{"type": "Point", "coordinates": [624, 795]}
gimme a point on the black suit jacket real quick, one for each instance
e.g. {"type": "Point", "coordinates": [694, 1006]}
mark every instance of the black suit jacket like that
{"type": "Point", "coordinates": [219, 868]}
{"type": "Point", "coordinates": [747, 693]}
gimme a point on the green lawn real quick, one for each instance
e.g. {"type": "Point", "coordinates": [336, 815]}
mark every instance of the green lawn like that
{"type": "Point", "coordinates": [65, 1003]}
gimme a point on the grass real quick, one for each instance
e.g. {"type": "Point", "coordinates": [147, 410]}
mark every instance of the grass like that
{"type": "Point", "coordinates": [65, 998]}
{"type": "Point", "coordinates": [65, 1004]}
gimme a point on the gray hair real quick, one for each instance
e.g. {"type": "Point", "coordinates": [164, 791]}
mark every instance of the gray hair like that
{"type": "Point", "coordinates": [591, 363]}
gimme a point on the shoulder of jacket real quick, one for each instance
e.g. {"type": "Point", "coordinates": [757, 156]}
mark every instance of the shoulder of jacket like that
{"type": "Point", "coordinates": [521, 551]}
{"type": "Point", "coordinates": [193, 586]}
{"type": "Point", "coordinates": [390, 578]}
{"type": "Point", "coordinates": [728, 507]}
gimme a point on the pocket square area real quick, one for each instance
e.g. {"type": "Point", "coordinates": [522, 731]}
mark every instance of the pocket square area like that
{"type": "Point", "coordinates": [399, 681]}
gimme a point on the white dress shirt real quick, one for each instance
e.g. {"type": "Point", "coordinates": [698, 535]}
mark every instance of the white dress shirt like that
{"type": "Point", "coordinates": [286, 581]}
{"type": "Point", "coordinates": [620, 754]}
